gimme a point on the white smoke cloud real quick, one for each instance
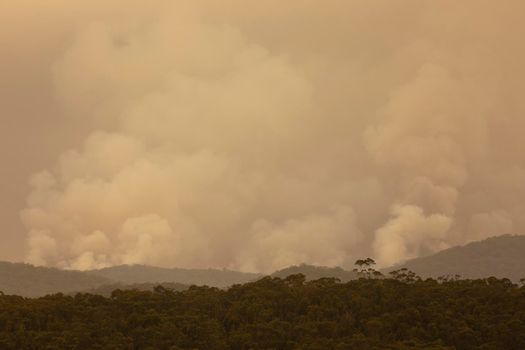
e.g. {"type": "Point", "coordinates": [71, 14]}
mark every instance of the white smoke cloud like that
{"type": "Point", "coordinates": [271, 247]}
{"type": "Point", "coordinates": [409, 234]}
{"type": "Point", "coordinates": [256, 138]}
{"type": "Point", "coordinates": [429, 127]}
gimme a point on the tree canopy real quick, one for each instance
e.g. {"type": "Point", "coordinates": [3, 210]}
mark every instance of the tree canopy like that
{"type": "Point", "coordinates": [398, 312]}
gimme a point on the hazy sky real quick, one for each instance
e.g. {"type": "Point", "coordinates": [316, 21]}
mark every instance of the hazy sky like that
{"type": "Point", "coordinates": [258, 134]}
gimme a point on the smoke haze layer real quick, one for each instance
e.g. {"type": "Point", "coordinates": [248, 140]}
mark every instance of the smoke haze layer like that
{"type": "Point", "coordinates": [256, 135]}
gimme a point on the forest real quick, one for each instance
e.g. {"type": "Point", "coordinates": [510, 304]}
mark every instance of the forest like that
{"type": "Point", "coordinates": [401, 311]}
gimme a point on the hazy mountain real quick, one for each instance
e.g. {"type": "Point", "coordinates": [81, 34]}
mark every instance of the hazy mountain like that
{"type": "Point", "coordinates": [31, 281]}
{"type": "Point", "coordinates": [130, 274]}
{"type": "Point", "coordinates": [107, 289]}
{"type": "Point", "coordinates": [315, 272]}
{"type": "Point", "coordinates": [502, 256]}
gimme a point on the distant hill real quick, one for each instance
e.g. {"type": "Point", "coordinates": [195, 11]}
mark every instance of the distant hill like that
{"type": "Point", "coordinates": [32, 281]}
{"type": "Point", "coordinates": [312, 272]}
{"type": "Point", "coordinates": [107, 289]}
{"type": "Point", "coordinates": [132, 274]}
{"type": "Point", "coordinates": [502, 257]}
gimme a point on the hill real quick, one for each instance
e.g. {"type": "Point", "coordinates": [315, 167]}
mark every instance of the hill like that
{"type": "Point", "coordinates": [501, 257]}
{"type": "Point", "coordinates": [312, 272]}
{"type": "Point", "coordinates": [32, 281]}
{"type": "Point", "coordinates": [132, 274]}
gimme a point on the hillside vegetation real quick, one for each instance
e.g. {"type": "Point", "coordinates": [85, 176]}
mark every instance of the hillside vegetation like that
{"type": "Point", "coordinates": [502, 257]}
{"type": "Point", "coordinates": [106, 289]}
{"type": "Point", "coordinates": [401, 313]}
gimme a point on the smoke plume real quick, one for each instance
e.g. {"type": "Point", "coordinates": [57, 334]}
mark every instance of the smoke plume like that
{"type": "Point", "coordinates": [256, 135]}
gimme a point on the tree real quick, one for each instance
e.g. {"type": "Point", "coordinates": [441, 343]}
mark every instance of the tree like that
{"type": "Point", "coordinates": [365, 268]}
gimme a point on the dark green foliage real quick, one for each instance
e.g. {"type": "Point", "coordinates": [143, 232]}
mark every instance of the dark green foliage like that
{"type": "Point", "coordinates": [497, 256]}
{"type": "Point", "coordinates": [107, 289]}
{"type": "Point", "coordinates": [400, 313]}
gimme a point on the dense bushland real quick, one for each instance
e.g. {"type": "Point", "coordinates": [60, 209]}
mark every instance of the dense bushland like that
{"type": "Point", "coordinates": [401, 312]}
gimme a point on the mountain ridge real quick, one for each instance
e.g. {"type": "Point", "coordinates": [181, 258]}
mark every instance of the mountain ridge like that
{"type": "Point", "coordinates": [500, 256]}
{"type": "Point", "coordinates": [133, 274]}
{"type": "Point", "coordinates": [33, 281]}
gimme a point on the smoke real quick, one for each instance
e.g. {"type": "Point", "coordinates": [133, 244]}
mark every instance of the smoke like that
{"type": "Point", "coordinates": [258, 137]}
